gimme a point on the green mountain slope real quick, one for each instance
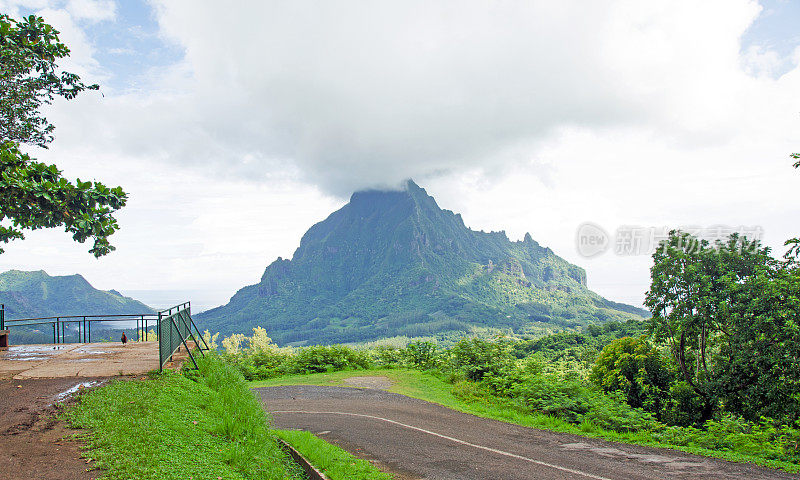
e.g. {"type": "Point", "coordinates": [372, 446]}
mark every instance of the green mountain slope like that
{"type": "Point", "coordinates": [393, 263]}
{"type": "Point", "coordinates": [37, 294]}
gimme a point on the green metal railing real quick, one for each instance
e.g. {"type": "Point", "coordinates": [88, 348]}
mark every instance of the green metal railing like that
{"type": "Point", "coordinates": [175, 329]}
{"type": "Point", "coordinates": [81, 325]}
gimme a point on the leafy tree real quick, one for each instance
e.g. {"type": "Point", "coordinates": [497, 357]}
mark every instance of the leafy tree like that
{"type": "Point", "coordinates": [759, 371]}
{"type": "Point", "coordinates": [35, 195]}
{"type": "Point", "coordinates": [679, 299]}
{"type": "Point", "coordinates": [729, 313]}
{"type": "Point", "coordinates": [635, 368]}
{"type": "Point", "coordinates": [30, 78]}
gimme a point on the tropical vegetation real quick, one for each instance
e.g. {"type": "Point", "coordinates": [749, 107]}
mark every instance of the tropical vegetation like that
{"type": "Point", "coordinates": [714, 370]}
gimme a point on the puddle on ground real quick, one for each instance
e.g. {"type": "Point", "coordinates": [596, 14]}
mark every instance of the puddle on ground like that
{"type": "Point", "coordinates": [75, 388]}
{"type": "Point", "coordinates": [36, 348]}
{"type": "Point", "coordinates": [90, 352]}
{"type": "Point", "coordinates": [24, 358]}
{"type": "Point", "coordinates": [30, 352]}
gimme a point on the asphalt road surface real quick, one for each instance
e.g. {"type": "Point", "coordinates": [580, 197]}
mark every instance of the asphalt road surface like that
{"type": "Point", "coordinates": [414, 439]}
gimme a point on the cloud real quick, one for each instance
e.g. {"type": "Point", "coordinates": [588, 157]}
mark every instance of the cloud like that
{"type": "Point", "coordinates": [91, 10]}
{"type": "Point", "coordinates": [521, 117]}
{"type": "Point", "coordinates": [358, 94]}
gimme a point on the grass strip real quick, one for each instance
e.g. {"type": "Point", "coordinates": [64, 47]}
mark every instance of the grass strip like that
{"type": "Point", "coordinates": [170, 427]}
{"type": "Point", "coordinates": [431, 388]}
{"type": "Point", "coordinates": [335, 463]}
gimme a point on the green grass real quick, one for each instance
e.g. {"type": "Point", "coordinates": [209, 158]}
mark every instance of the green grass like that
{"type": "Point", "coordinates": [431, 388]}
{"type": "Point", "coordinates": [169, 427]}
{"type": "Point", "coordinates": [335, 463]}
{"type": "Point", "coordinates": [209, 426]}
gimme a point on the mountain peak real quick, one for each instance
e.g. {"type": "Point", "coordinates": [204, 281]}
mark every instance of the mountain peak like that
{"type": "Point", "coordinates": [406, 187]}
{"type": "Point", "coordinates": [392, 262]}
{"type": "Point", "coordinates": [37, 294]}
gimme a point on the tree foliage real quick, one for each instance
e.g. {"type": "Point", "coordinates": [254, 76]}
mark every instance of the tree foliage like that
{"type": "Point", "coordinates": [30, 78]}
{"type": "Point", "coordinates": [729, 313]}
{"type": "Point", "coordinates": [35, 195]}
{"type": "Point", "coordinates": [635, 368]}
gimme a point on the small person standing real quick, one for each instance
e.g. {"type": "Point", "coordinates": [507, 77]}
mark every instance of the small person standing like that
{"type": "Point", "coordinates": [124, 338]}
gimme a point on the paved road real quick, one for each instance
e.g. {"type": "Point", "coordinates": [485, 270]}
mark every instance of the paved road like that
{"type": "Point", "coordinates": [420, 440]}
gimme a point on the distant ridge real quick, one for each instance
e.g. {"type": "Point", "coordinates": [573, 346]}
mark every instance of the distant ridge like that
{"type": "Point", "coordinates": [393, 263]}
{"type": "Point", "coordinates": [37, 294]}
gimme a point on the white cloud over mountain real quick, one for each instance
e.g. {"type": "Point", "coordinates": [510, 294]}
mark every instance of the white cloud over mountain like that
{"type": "Point", "coordinates": [522, 115]}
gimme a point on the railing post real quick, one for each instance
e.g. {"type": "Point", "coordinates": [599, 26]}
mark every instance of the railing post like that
{"type": "Point", "coordinates": [170, 337]}
{"type": "Point", "coordinates": [2, 317]}
{"type": "Point", "coordinates": [160, 339]}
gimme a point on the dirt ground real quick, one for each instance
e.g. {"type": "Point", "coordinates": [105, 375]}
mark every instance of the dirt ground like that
{"type": "Point", "coordinates": [34, 444]}
{"type": "Point", "coordinates": [379, 383]}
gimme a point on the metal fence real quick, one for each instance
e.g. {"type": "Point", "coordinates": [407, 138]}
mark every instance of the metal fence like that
{"type": "Point", "coordinates": [173, 327]}
{"type": "Point", "coordinates": [78, 328]}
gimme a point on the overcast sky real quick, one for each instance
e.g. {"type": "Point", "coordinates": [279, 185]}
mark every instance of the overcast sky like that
{"type": "Point", "coordinates": [235, 126]}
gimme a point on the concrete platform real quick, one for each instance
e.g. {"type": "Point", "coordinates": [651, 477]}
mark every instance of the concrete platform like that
{"type": "Point", "coordinates": [78, 360]}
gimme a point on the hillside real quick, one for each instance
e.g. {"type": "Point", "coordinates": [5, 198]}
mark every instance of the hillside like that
{"type": "Point", "coordinates": [37, 294]}
{"type": "Point", "coordinates": [393, 263]}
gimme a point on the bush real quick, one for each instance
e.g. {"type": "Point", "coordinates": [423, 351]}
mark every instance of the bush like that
{"type": "Point", "coordinates": [637, 370]}
{"type": "Point", "coordinates": [475, 358]}
{"type": "Point", "coordinates": [734, 434]}
{"type": "Point", "coordinates": [422, 355]}
{"type": "Point", "coordinates": [575, 402]}
{"type": "Point", "coordinates": [684, 407]}
{"type": "Point", "coordinates": [387, 356]}
{"type": "Point", "coordinates": [321, 358]}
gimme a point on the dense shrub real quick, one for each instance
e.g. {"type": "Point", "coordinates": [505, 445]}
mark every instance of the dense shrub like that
{"type": "Point", "coordinates": [322, 358]}
{"type": "Point", "coordinates": [387, 356]}
{"type": "Point", "coordinates": [637, 370]}
{"type": "Point", "coordinates": [684, 406]}
{"type": "Point", "coordinates": [422, 355]}
{"type": "Point", "coordinates": [475, 358]}
{"type": "Point", "coordinates": [731, 433]}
